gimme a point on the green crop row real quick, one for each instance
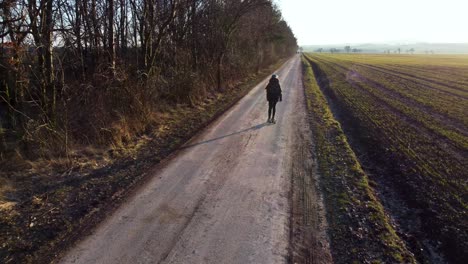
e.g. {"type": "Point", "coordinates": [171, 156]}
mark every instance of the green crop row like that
{"type": "Point", "coordinates": [421, 91]}
{"type": "Point", "coordinates": [454, 78]}
{"type": "Point", "coordinates": [434, 126]}
{"type": "Point", "coordinates": [447, 103]}
{"type": "Point", "coordinates": [431, 70]}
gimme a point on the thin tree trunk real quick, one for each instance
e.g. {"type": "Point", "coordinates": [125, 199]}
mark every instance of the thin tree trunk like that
{"type": "Point", "coordinates": [50, 92]}
{"type": "Point", "coordinates": [79, 44]}
{"type": "Point", "coordinates": [110, 40]}
{"type": "Point", "coordinates": [123, 27]}
{"type": "Point", "coordinates": [219, 71]}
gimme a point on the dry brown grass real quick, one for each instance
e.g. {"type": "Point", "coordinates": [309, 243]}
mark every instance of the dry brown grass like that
{"type": "Point", "coordinates": [6, 187]}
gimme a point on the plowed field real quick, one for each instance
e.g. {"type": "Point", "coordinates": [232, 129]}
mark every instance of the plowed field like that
{"type": "Point", "coordinates": [406, 119]}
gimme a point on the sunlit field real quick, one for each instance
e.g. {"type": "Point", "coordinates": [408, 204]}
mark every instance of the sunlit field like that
{"type": "Point", "coordinates": [406, 116]}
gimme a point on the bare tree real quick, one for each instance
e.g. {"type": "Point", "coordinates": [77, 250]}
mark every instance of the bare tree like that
{"type": "Point", "coordinates": [63, 56]}
{"type": "Point", "coordinates": [347, 49]}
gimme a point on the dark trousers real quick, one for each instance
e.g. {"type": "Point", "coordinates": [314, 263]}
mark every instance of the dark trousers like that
{"type": "Point", "coordinates": [272, 108]}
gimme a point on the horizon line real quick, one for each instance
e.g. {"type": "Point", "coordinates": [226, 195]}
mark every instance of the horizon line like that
{"type": "Point", "coordinates": [386, 43]}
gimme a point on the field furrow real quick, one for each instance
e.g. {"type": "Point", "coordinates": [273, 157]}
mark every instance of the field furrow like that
{"type": "Point", "coordinates": [452, 77]}
{"type": "Point", "coordinates": [414, 112]}
{"type": "Point", "coordinates": [441, 87]}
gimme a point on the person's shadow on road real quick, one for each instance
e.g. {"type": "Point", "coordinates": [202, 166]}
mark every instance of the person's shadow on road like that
{"type": "Point", "coordinates": [253, 128]}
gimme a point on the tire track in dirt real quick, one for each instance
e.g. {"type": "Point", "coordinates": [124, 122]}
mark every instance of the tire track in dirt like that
{"type": "Point", "coordinates": [309, 241]}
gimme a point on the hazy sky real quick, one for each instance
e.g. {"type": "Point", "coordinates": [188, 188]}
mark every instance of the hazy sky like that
{"type": "Point", "coordinates": [376, 21]}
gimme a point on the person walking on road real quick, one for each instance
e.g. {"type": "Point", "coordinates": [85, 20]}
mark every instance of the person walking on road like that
{"type": "Point", "coordinates": [273, 91]}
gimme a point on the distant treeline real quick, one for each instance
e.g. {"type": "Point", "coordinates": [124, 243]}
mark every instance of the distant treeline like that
{"type": "Point", "coordinates": [413, 48]}
{"type": "Point", "coordinates": [69, 70]}
{"type": "Point", "coordinates": [346, 49]}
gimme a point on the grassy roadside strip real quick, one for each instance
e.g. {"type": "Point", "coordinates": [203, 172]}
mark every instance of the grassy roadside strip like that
{"type": "Point", "coordinates": [360, 231]}
{"type": "Point", "coordinates": [61, 207]}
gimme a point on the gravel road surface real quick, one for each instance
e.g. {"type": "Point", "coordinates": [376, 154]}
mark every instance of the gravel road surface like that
{"type": "Point", "coordinates": [224, 198]}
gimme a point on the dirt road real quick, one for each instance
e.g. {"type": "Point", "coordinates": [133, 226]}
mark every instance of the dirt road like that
{"type": "Point", "coordinates": [224, 198]}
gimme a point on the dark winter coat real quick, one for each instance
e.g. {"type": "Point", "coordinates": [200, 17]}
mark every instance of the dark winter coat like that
{"type": "Point", "coordinates": [273, 90]}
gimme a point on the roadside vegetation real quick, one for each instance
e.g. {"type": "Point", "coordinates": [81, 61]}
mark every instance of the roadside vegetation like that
{"type": "Point", "coordinates": [359, 229]}
{"type": "Point", "coordinates": [95, 93]}
{"type": "Point", "coordinates": [405, 117]}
